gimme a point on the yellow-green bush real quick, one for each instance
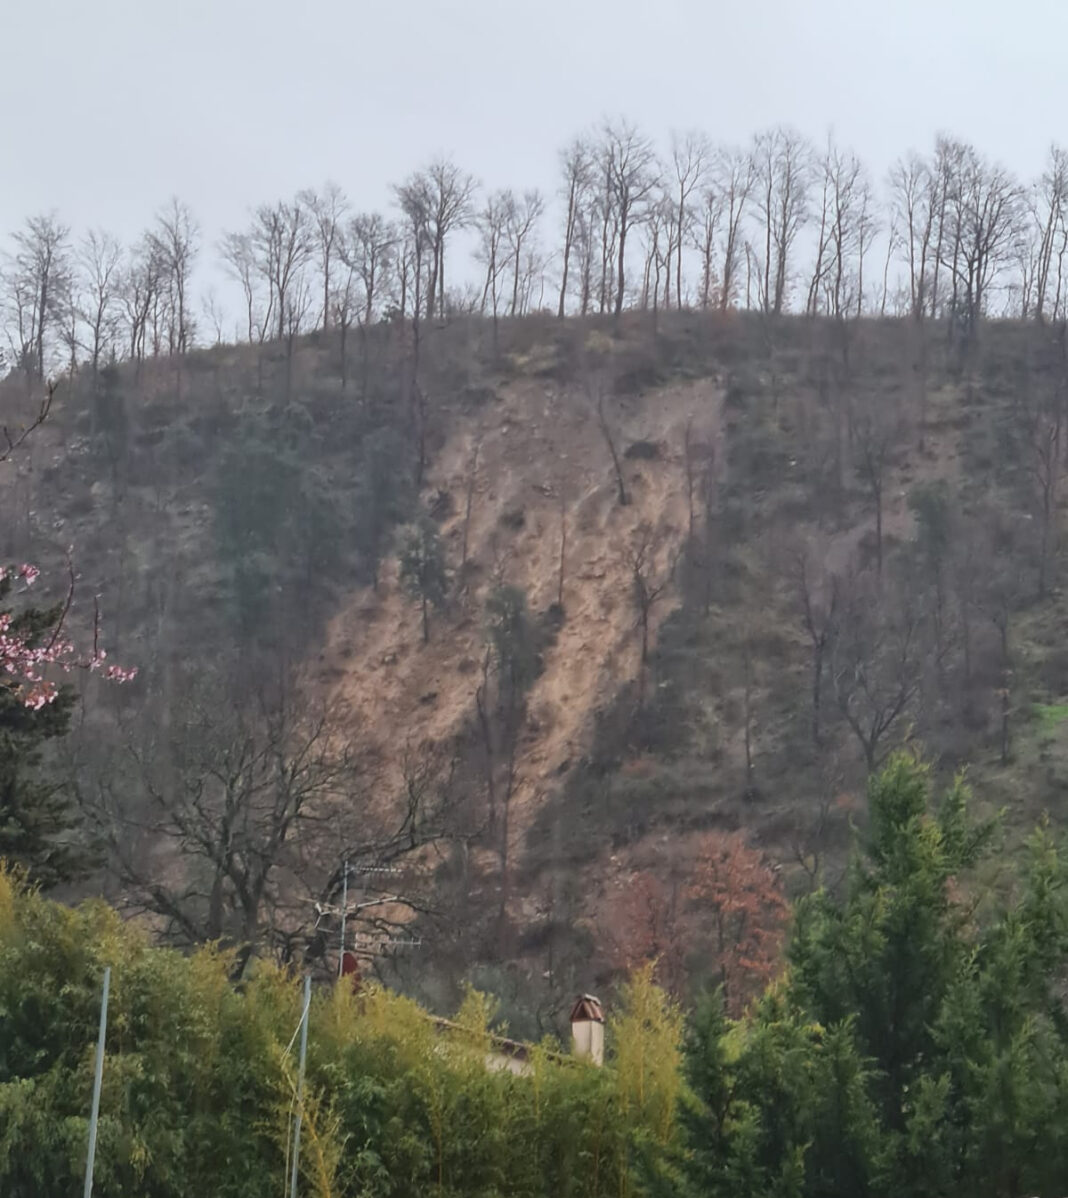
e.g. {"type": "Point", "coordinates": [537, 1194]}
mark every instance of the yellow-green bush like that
{"type": "Point", "coordinates": [199, 1088]}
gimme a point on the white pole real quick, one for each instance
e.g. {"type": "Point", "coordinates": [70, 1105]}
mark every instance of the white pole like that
{"type": "Point", "coordinates": [300, 1087]}
{"type": "Point", "coordinates": [344, 911]}
{"type": "Point", "coordinates": [97, 1080]}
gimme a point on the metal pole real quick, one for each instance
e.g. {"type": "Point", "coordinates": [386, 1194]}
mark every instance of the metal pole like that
{"type": "Point", "coordinates": [300, 1087]}
{"type": "Point", "coordinates": [344, 911]}
{"type": "Point", "coordinates": [97, 1080]}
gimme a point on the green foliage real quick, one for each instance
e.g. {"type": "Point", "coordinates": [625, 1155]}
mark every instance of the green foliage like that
{"type": "Point", "coordinates": [38, 822]}
{"type": "Point", "coordinates": [1050, 715]}
{"type": "Point", "coordinates": [199, 1088]}
{"type": "Point", "coordinates": [931, 507]}
{"type": "Point", "coordinates": [912, 1048]}
{"type": "Point", "coordinates": [514, 640]}
{"type": "Point", "coordinates": [186, 1058]}
{"type": "Point", "coordinates": [916, 1045]}
{"type": "Point", "coordinates": [422, 567]}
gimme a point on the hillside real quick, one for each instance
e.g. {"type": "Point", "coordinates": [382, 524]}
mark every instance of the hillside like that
{"type": "Point", "coordinates": [842, 535]}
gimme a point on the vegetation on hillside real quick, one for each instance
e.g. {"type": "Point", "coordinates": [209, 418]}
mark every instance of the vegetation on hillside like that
{"type": "Point", "coordinates": [861, 549]}
{"type": "Point", "coordinates": [914, 1043]}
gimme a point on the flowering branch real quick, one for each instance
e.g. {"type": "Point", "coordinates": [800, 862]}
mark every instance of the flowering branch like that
{"type": "Point", "coordinates": [23, 661]}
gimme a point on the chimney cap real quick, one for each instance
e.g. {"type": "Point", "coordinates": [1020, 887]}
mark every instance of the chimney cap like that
{"type": "Point", "coordinates": [587, 1009]}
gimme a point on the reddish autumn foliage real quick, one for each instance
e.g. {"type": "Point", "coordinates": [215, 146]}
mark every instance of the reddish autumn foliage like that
{"type": "Point", "coordinates": [731, 913]}
{"type": "Point", "coordinates": [644, 924]}
{"type": "Point", "coordinates": [741, 902]}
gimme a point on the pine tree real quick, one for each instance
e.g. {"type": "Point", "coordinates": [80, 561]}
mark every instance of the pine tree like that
{"type": "Point", "coordinates": [887, 954]}
{"type": "Point", "coordinates": [422, 568]}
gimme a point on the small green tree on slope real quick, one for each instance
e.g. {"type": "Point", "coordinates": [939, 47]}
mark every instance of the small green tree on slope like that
{"type": "Point", "coordinates": [422, 568]}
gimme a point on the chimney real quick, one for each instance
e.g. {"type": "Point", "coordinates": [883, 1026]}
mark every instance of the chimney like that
{"type": "Point", "coordinates": [587, 1029]}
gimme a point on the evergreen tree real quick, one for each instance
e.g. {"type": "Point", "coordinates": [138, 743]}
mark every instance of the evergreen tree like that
{"type": "Point", "coordinates": [514, 640]}
{"type": "Point", "coordinates": [918, 1044]}
{"type": "Point", "coordinates": [887, 953]}
{"type": "Point", "coordinates": [422, 568]}
{"type": "Point", "coordinates": [37, 817]}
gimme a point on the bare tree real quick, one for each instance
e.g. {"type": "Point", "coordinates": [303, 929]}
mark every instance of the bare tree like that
{"type": "Point", "coordinates": [520, 231]}
{"type": "Point", "coordinates": [874, 445]}
{"type": "Point", "coordinates": [469, 497]}
{"type": "Point", "coordinates": [819, 270]}
{"type": "Point", "coordinates": [1048, 202]}
{"type": "Point", "coordinates": [913, 197]}
{"type": "Point", "coordinates": [100, 263]}
{"type": "Point", "coordinates": [595, 390]}
{"type": "Point", "coordinates": [230, 798]}
{"type": "Point", "coordinates": [37, 277]}
{"type": "Point", "coordinates": [140, 289]}
{"type": "Point", "coordinates": [576, 164]}
{"type": "Point", "coordinates": [876, 661]}
{"type": "Point", "coordinates": [256, 809]}
{"type": "Point", "coordinates": [239, 258]}
{"type": "Point", "coordinates": [691, 155]}
{"type": "Point", "coordinates": [867, 227]}
{"type": "Point", "coordinates": [733, 178]}
{"type": "Point", "coordinates": [369, 248]}
{"type": "Point", "coordinates": [347, 299]}
{"type": "Point", "coordinates": [561, 562]}
{"type": "Point", "coordinates": [281, 244]}
{"type": "Point", "coordinates": [748, 686]}
{"type": "Point", "coordinates": [414, 199]}
{"type": "Point", "coordinates": [632, 176]}
{"type": "Point", "coordinates": [650, 578]}
{"type": "Point", "coordinates": [704, 231]}
{"type": "Point", "coordinates": [843, 234]}
{"type": "Point", "coordinates": [68, 315]}
{"type": "Point", "coordinates": [436, 202]}
{"type": "Point", "coordinates": [983, 215]}
{"type": "Point", "coordinates": [327, 209]}
{"type": "Point", "coordinates": [298, 306]}
{"type": "Point", "coordinates": [215, 314]}
{"type": "Point", "coordinates": [1040, 419]}
{"type": "Point", "coordinates": [12, 438]}
{"type": "Point", "coordinates": [492, 224]}
{"type": "Point", "coordinates": [660, 237]}
{"type": "Point", "coordinates": [175, 240]}
{"type": "Point", "coordinates": [946, 169]}
{"type": "Point", "coordinates": [603, 226]}
{"type": "Point", "coordinates": [817, 593]}
{"type": "Point", "coordinates": [782, 164]}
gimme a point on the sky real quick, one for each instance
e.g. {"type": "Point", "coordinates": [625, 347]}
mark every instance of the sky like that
{"type": "Point", "coordinates": [112, 106]}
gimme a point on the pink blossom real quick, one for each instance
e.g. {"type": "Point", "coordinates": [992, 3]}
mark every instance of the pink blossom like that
{"type": "Point", "coordinates": [21, 664]}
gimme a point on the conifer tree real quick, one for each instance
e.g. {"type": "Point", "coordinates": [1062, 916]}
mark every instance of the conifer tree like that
{"type": "Point", "coordinates": [37, 820]}
{"type": "Point", "coordinates": [422, 568]}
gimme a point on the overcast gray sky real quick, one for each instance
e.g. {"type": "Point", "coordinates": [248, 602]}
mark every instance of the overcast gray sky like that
{"type": "Point", "coordinates": [111, 106]}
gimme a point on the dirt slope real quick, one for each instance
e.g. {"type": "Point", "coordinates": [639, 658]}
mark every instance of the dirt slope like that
{"type": "Point", "coordinates": [540, 454]}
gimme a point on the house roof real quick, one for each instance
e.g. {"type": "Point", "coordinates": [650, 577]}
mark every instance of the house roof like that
{"type": "Point", "coordinates": [587, 1009]}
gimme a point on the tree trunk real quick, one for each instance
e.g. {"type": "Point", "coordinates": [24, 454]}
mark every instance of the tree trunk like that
{"type": "Point", "coordinates": [563, 551]}
{"type": "Point", "coordinates": [621, 275]}
{"type": "Point", "coordinates": [817, 688]}
{"type": "Point", "coordinates": [678, 253]}
{"type": "Point", "coordinates": [569, 234]}
{"type": "Point", "coordinates": [879, 530]}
